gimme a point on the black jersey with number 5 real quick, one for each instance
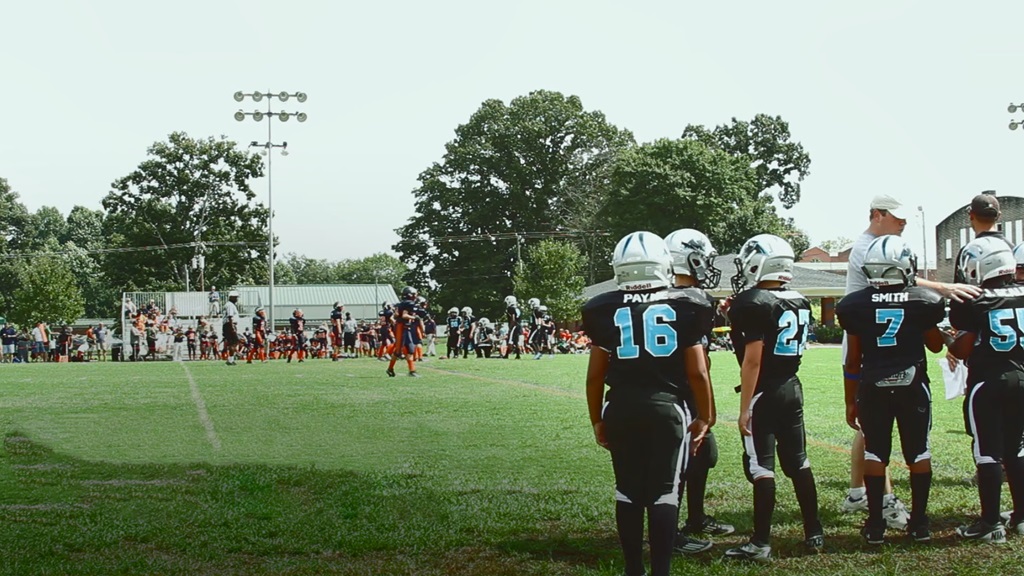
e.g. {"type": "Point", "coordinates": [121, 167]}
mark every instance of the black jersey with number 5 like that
{"type": "Point", "coordinates": [891, 325]}
{"type": "Point", "coordinates": [645, 334]}
{"type": "Point", "coordinates": [997, 319]}
{"type": "Point", "coordinates": [780, 318]}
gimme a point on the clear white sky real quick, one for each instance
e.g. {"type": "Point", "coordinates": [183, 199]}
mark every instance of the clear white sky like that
{"type": "Point", "coordinates": [899, 97]}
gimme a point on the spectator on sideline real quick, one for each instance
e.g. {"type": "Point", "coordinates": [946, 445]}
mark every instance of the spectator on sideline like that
{"type": "Point", "coordinates": [101, 341]}
{"type": "Point", "coordinates": [9, 338]}
{"type": "Point", "coordinates": [214, 298]}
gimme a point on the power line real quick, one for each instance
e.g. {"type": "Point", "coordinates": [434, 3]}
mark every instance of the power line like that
{"type": "Point", "coordinates": [129, 249]}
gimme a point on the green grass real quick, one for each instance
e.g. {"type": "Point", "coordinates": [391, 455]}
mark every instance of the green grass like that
{"type": "Point", "coordinates": [478, 468]}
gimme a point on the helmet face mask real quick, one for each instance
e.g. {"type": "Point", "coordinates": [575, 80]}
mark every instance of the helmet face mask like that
{"type": "Point", "coordinates": [889, 261]}
{"type": "Point", "coordinates": [641, 261]}
{"type": "Point", "coordinates": [694, 256]}
{"type": "Point", "coordinates": [467, 311]}
{"type": "Point", "coordinates": [763, 258]}
{"type": "Point", "coordinates": [409, 293]}
{"type": "Point", "coordinates": [987, 258]}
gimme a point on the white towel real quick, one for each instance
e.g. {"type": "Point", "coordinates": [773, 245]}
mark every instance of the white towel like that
{"type": "Point", "coordinates": [956, 380]}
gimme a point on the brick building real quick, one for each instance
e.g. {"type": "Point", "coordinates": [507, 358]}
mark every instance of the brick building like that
{"type": "Point", "coordinates": [955, 231]}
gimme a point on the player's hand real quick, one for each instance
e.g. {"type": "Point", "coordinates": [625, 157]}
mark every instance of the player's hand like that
{"type": "Point", "coordinates": [599, 435]}
{"type": "Point", "coordinates": [698, 430]}
{"type": "Point", "coordinates": [953, 361]}
{"type": "Point", "coordinates": [851, 416]}
{"type": "Point", "coordinates": [960, 292]}
{"type": "Point", "coordinates": [744, 423]}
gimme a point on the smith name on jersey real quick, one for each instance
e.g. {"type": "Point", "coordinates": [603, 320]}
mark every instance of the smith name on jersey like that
{"type": "Point", "coordinates": [891, 326]}
{"type": "Point", "coordinates": [997, 319]}
{"type": "Point", "coordinates": [645, 334]}
{"type": "Point", "coordinates": [780, 318]}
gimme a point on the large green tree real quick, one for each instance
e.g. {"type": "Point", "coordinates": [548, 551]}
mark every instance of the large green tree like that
{"type": "Point", "coordinates": [188, 190]}
{"type": "Point", "coordinates": [13, 219]}
{"type": "Point", "coordinates": [47, 292]}
{"type": "Point", "coordinates": [670, 184]}
{"type": "Point", "coordinates": [513, 175]}
{"type": "Point", "coordinates": [553, 272]}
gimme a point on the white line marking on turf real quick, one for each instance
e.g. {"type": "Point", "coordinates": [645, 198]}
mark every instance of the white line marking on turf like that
{"type": "Point", "coordinates": [204, 416]}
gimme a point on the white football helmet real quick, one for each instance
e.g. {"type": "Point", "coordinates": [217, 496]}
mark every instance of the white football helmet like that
{"type": "Point", "coordinates": [694, 256]}
{"type": "Point", "coordinates": [1018, 254]}
{"type": "Point", "coordinates": [542, 309]}
{"type": "Point", "coordinates": [534, 303]}
{"type": "Point", "coordinates": [467, 311]}
{"type": "Point", "coordinates": [889, 261]}
{"type": "Point", "coordinates": [484, 322]}
{"type": "Point", "coordinates": [510, 301]}
{"type": "Point", "coordinates": [986, 258]}
{"type": "Point", "coordinates": [763, 257]}
{"type": "Point", "coordinates": [641, 262]}
{"type": "Point", "coordinates": [453, 311]}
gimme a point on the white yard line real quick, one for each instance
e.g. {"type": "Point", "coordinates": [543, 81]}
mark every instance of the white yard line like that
{"type": "Point", "coordinates": [204, 416]}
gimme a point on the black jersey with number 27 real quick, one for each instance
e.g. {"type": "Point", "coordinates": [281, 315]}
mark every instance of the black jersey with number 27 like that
{"type": "Point", "coordinates": [780, 318]}
{"type": "Point", "coordinates": [645, 334]}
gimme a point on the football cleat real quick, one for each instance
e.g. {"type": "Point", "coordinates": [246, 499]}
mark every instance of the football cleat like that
{"type": "Point", "coordinates": [391, 373]}
{"type": "Point", "coordinates": [919, 531]}
{"type": "Point", "coordinates": [710, 526]}
{"type": "Point", "coordinates": [749, 551]}
{"type": "Point", "coordinates": [982, 531]}
{"type": "Point", "coordinates": [688, 545]}
{"type": "Point", "coordinates": [873, 535]}
{"type": "Point", "coordinates": [815, 544]}
{"type": "Point", "coordinates": [1012, 524]}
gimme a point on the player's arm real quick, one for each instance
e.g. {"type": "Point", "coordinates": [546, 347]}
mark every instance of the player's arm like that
{"type": "Point", "coordinates": [750, 369]}
{"type": "Point", "coordinates": [711, 391]}
{"type": "Point", "coordinates": [596, 370]}
{"type": "Point", "coordinates": [851, 378]}
{"type": "Point", "coordinates": [957, 292]}
{"type": "Point", "coordinates": [961, 344]}
{"type": "Point", "coordinates": [700, 384]}
{"type": "Point", "coordinates": [933, 339]}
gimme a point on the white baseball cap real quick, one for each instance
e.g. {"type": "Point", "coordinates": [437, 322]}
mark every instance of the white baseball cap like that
{"type": "Point", "coordinates": [889, 204]}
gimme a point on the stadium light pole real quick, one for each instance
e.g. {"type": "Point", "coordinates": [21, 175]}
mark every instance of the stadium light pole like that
{"type": "Point", "coordinates": [924, 241]}
{"type": "Point", "coordinates": [268, 147]}
{"type": "Point", "coordinates": [1013, 109]}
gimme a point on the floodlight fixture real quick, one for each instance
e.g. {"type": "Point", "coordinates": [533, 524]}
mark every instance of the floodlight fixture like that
{"type": "Point", "coordinates": [1014, 125]}
{"type": "Point", "coordinates": [239, 96]}
{"type": "Point", "coordinates": [300, 96]}
{"type": "Point", "coordinates": [283, 96]}
{"type": "Point", "coordinates": [257, 96]}
{"type": "Point", "coordinates": [301, 116]}
{"type": "Point", "coordinates": [257, 116]}
{"type": "Point", "coordinates": [283, 116]}
{"type": "Point", "coordinates": [239, 115]}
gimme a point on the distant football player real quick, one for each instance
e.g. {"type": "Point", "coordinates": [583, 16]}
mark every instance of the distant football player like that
{"type": "Point", "coordinates": [406, 321]}
{"type": "Point", "coordinates": [514, 316]}
{"type": "Point", "coordinates": [230, 327]}
{"type": "Point", "coordinates": [990, 335]}
{"type": "Point", "coordinates": [769, 332]}
{"type": "Point", "coordinates": [453, 323]}
{"type": "Point", "coordinates": [297, 323]}
{"type": "Point", "coordinates": [647, 352]}
{"type": "Point", "coordinates": [888, 325]}
{"type": "Point", "coordinates": [337, 330]}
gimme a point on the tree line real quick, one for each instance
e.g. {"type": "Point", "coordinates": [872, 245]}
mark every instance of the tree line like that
{"type": "Point", "coordinates": [528, 199]}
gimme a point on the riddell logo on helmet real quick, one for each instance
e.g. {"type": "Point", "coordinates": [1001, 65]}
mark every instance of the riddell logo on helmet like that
{"type": "Point", "coordinates": [646, 286]}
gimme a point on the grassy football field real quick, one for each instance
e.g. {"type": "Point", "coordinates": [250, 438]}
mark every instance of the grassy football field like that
{"type": "Point", "coordinates": [480, 467]}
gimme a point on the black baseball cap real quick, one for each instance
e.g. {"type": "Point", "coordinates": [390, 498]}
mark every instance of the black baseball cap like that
{"type": "Point", "coordinates": [985, 205]}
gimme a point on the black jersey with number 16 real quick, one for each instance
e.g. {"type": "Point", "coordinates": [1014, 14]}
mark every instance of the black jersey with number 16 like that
{"type": "Point", "coordinates": [891, 325]}
{"type": "Point", "coordinates": [645, 334]}
{"type": "Point", "coordinates": [780, 318]}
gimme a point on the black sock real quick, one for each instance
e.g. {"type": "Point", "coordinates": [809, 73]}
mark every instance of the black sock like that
{"type": "Point", "coordinates": [875, 486]}
{"type": "Point", "coordinates": [661, 529]}
{"type": "Point", "coordinates": [990, 483]}
{"type": "Point", "coordinates": [807, 497]}
{"type": "Point", "coordinates": [764, 507]}
{"type": "Point", "coordinates": [920, 487]}
{"type": "Point", "coordinates": [629, 519]}
{"type": "Point", "coordinates": [695, 481]}
{"type": "Point", "coordinates": [1015, 477]}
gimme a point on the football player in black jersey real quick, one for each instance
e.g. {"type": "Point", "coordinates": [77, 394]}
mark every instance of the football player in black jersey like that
{"type": "Point", "coordinates": [693, 264]}
{"type": "Point", "coordinates": [515, 327]}
{"type": "Point", "coordinates": [769, 332]}
{"type": "Point", "coordinates": [646, 349]}
{"type": "Point", "coordinates": [468, 329]}
{"type": "Point", "coordinates": [298, 326]}
{"type": "Point", "coordinates": [454, 325]}
{"type": "Point", "coordinates": [405, 324]}
{"type": "Point", "coordinates": [888, 326]}
{"type": "Point", "coordinates": [991, 328]}
{"type": "Point", "coordinates": [337, 329]}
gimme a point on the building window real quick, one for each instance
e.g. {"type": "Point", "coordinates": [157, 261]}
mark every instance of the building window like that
{"type": "Point", "coordinates": [1018, 232]}
{"type": "Point", "coordinates": [949, 248]}
{"type": "Point", "coordinates": [963, 237]}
